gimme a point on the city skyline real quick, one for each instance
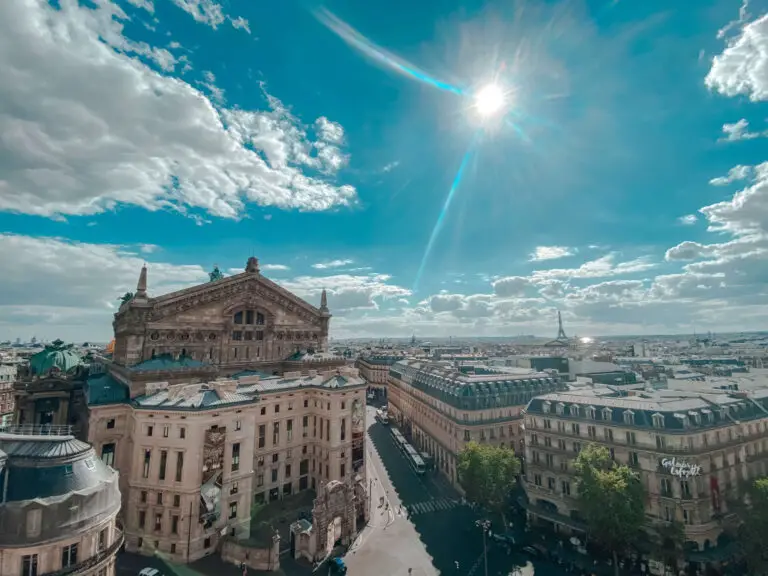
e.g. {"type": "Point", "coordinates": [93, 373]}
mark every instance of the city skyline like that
{"type": "Point", "coordinates": [623, 184]}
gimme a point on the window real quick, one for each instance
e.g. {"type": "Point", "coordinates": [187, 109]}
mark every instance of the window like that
{"type": "Point", "coordinates": [173, 548]}
{"type": "Point", "coordinates": [565, 487]}
{"type": "Point", "coordinates": [110, 424]}
{"type": "Point", "coordinates": [661, 442]}
{"type": "Point", "coordinates": [634, 459]}
{"type": "Point", "coordinates": [263, 410]}
{"type": "Point", "coordinates": [108, 454]}
{"type": "Point", "coordinates": [576, 429]}
{"type": "Point", "coordinates": [666, 487]}
{"type": "Point", "coordinates": [631, 440]}
{"type": "Point", "coordinates": [275, 457]}
{"type": "Point", "coordinates": [287, 470]}
{"type": "Point", "coordinates": [306, 403]}
{"type": "Point", "coordinates": [237, 335]}
{"type": "Point", "coordinates": [34, 522]}
{"type": "Point", "coordinates": [163, 463]}
{"type": "Point", "coordinates": [536, 457]}
{"type": "Point", "coordinates": [687, 516]}
{"type": "Point", "coordinates": [147, 461]}
{"type": "Point", "coordinates": [289, 429]}
{"type": "Point", "coordinates": [158, 522]}
{"type": "Point", "coordinates": [290, 405]}
{"type": "Point", "coordinates": [343, 405]}
{"type": "Point", "coordinates": [239, 317]}
{"type": "Point", "coordinates": [140, 542]}
{"type": "Point", "coordinates": [150, 430]}
{"type": "Point", "coordinates": [592, 432]}
{"type": "Point", "coordinates": [142, 518]}
{"type": "Point", "coordinates": [182, 433]}
{"type": "Point", "coordinates": [234, 488]}
{"type": "Point", "coordinates": [235, 456]}
{"type": "Point", "coordinates": [551, 483]}
{"type": "Point", "coordinates": [262, 434]}
{"type": "Point", "coordinates": [69, 555]}
{"type": "Point", "coordinates": [629, 417]}
{"type": "Point", "coordinates": [277, 408]}
{"type": "Point", "coordinates": [103, 539]}
{"type": "Point", "coordinates": [547, 424]}
{"type": "Point", "coordinates": [176, 500]}
{"type": "Point", "coordinates": [159, 498]}
{"type": "Point", "coordinates": [467, 437]}
{"type": "Point", "coordinates": [275, 433]}
{"type": "Point", "coordinates": [608, 433]}
{"type": "Point", "coordinates": [232, 510]}
{"type": "Point", "coordinates": [29, 565]}
{"type": "Point", "coordinates": [274, 474]}
{"type": "Point", "coordinates": [537, 479]}
{"type": "Point", "coordinates": [343, 429]}
{"type": "Point", "coordinates": [669, 515]}
{"type": "Point", "coordinates": [179, 465]}
{"type": "Point", "coordinates": [685, 488]}
{"type": "Point", "coordinates": [260, 480]}
{"type": "Point", "coordinates": [238, 425]}
{"type": "Point", "coordinates": [174, 524]}
{"type": "Point", "coordinates": [249, 316]}
{"type": "Point", "coordinates": [166, 431]}
{"type": "Point", "coordinates": [550, 460]}
{"type": "Point", "coordinates": [658, 420]}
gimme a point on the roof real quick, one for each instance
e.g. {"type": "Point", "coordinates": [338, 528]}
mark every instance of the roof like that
{"type": "Point", "coordinates": [192, 397]}
{"type": "Point", "coordinates": [41, 467]}
{"type": "Point", "coordinates": [167, 362]}
{"type": "Point", "coordinates": [55, 356]}
{"type": "Point", "coordinates": [104, 389]}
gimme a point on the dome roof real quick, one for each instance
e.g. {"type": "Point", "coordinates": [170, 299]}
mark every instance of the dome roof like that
{"type": "Point", "coordinates": [55, 356]}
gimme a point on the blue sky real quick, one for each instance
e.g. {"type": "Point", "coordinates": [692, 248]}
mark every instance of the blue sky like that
{"type": "Point", "coordinates": [621, 182]}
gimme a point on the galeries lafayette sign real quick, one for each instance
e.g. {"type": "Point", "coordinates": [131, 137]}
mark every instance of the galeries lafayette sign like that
{"type": "Point", "coordinates": [680, 468]}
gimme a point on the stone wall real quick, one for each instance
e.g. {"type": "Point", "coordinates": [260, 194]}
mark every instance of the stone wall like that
{"type": "Point", "coordinates": [237, 552]}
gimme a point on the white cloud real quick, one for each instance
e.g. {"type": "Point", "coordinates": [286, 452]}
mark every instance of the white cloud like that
{"type": "Point", "coordinates": [332, 264]}
{"type": "Point", "coordinates": [550, 253]}
{"type": "Point", "coordinates": [328, 131]}
{"type": "Point", "coordinates": [145, 4]}
{"type": "Point", "coordinates": [739, 131]}
{"type": "Point", "coordinates": [742, 68]}
{"type": "Point", "coordinates": [735, 174]}
{"type": "Point", "coordinates": [241, 23]}
{"type": "Point", "coordinates": [391, 166]}
{"type": "Point", "coordinates": [688, 219]}
{"type": "Point", "coordinates": [204, 11]}
{"type": "Point", "coordinates": [602, 267]}
{"type": "Point", "coordinates": [276, 267]}
{"type": "Point", "coordinates": [88, 127]}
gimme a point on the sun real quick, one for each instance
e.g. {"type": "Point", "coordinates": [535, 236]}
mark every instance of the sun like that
{"type": "Point", "coordinates": [489, 100]}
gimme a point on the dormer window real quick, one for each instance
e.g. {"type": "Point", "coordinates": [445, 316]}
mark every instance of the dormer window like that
{"type": "Point", "coordinates": [683, 420]}
{"type": "Point", "coordinates": [724, 413]}
{"type": "Point", "coordinates": [575, 410]}
{"type": "Point", "coordinates": [591, 412]}
{"type": "Point", "coordinates": [607, 414]}
{"type": "Point", "coordinates": [547, 406]}
{"type": "Point", "coordinates": [707, 414]}
{"type": "Point", "coordinates": [560, 408]}
{"type": "Point", "coordinates": [658, 420]}
{"type": "Point", "coordinates": [695, 417]}
{"type": "Point", "coordinates": [629, 417]}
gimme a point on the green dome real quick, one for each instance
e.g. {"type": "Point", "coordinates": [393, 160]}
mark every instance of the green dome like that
{"type": "Point", "coordinates": [56, 356]}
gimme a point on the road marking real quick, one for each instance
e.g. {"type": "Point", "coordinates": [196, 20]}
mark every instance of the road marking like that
{"type": "Point", "coordinates": [432, 506]}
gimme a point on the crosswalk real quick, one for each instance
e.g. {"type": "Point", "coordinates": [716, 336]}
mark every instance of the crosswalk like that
{"type": "Point", "coordinates": [432, 506]}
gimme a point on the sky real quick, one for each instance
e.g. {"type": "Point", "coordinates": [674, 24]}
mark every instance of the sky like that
{"type": "Point", "coordinates": [623, 180]}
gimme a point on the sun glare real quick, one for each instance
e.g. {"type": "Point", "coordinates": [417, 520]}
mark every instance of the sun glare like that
{"type": "Point", "coordinates": [489, 100]}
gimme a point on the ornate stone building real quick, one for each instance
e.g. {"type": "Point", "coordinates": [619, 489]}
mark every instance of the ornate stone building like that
{"type": "Point", "coordinates": [233, 323]}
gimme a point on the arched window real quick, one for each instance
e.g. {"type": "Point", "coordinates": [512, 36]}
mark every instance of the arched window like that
{"type": "Point", "coordinates": [238, 317]}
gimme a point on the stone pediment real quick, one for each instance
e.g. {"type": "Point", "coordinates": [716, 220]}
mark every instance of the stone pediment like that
{"type": "Point", "coordinates": [242, 289]}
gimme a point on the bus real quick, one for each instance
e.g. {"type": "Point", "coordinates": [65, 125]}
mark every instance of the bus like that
{"type": "Point", "coordinates": [410, 453]}
{"type": "Point", "coordinates": [382, 416]}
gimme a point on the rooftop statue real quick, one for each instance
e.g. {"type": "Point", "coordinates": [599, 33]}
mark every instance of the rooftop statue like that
{"type": "Point", "coordinates": [216, 274]}
{"type": "Point", "coordinates": [127, 297]}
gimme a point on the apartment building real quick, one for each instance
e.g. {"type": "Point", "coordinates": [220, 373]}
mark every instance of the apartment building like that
{"type": "Point", "coordinates": [442, 406]}
{"type": "Point", "coordinates": [58, 505]}
{"type": "Point", "coordinates": [194, 458]}
{"type": "Point", "coordinates": [374, 369]}
{"type": "Point", "coordinates": [7, 404]}
{"type": "Point", "coordinates": [692, 449]}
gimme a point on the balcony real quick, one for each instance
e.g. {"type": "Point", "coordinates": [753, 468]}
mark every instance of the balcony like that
{"type": "Point", "coordinates": [90, 563]}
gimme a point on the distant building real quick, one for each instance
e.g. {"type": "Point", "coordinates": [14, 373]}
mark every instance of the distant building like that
{"type": "Point", "coordinates": [442, 408]}
{"type": "Point", "coordinates": [7, 402]}
{"type": "Point", "coordinates": [693, 449]}
{"type": "Point", "coordinates": [374, 369]}
{"type": "Point", "coordinates": [58, 506]}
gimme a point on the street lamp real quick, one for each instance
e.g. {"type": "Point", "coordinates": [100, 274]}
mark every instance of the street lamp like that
{"type": "Point", "coordinates": [484, 525]}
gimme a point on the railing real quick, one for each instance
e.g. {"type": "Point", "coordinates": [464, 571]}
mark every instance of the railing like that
{"type": "Point", "coordinates": [93, 561]}
{"type": "Point", "coordinates": [37, 429]}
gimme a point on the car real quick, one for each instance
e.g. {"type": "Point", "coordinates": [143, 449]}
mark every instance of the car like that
{"type": "Point", "coordinates": [150, 572]}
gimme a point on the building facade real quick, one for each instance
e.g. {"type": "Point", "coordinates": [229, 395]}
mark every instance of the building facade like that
{"type": "Point", "coordinates": [58, 507]}
{"type": "Point", "coordinates": [692, 451]}
{"type": "Point", "coordinates": [7, 402]}
{"type": "Point", "coordinates": [375, 370]}
{"type": "Point", "coordinates": [442, 408]}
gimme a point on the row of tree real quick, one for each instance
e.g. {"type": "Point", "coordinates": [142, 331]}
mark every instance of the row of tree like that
{"type": "Point", "coordinates": [611, 499]}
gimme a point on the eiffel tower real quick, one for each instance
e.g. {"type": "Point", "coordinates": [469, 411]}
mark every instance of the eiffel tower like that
{"type": "Point", "coordinates": [562, 339]}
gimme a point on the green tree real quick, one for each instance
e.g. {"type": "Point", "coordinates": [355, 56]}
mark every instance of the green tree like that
{"type": "Point", "coordinates": [611, 499]}
{"type": "Point", "coordinates": [487, 474]}
{"type": "Point", "coordinates": [668, 540]}
{"type": "Point", "coordinates": [753, 533]}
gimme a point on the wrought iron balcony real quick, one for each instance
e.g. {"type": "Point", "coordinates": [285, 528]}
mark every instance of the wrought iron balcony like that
{"type": "Point", "coordinates": [37, 429]}
{"type": "Point", "coordinates": [90, 563]}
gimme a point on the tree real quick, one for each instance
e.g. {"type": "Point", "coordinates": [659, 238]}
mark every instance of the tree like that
{"type": "Point", "coordinates": [487, 474]}
{"type": "Point", "coordinates": [668, 542]}
{"type": "Point", "coordinates": [753, 533]}
{"type": "Point", "coordinates": [611, 498]}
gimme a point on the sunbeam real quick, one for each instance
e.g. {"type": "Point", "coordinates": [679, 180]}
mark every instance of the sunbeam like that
{"type": "Point", "coordinates": [378, 54]}
{"type": "Point", "coordinates": [444, 211]}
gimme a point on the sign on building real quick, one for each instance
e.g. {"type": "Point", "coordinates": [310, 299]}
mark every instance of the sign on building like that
{"type": "Point", "coordinates": [680, 468]}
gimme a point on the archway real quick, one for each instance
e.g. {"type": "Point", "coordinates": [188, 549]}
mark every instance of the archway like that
{"type": "Point", "coordinates": [333, 535]}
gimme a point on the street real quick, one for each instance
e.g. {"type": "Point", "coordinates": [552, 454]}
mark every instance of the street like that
{"type": "Point", "coordinates": [426, 528]}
